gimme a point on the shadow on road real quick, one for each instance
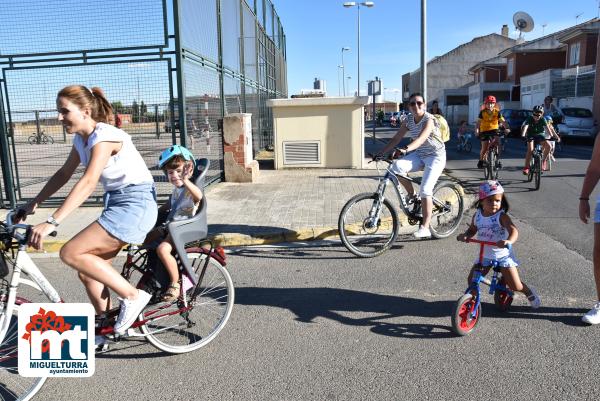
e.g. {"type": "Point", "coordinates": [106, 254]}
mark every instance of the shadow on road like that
{"type": "Point", "coordinates": [378, 312]}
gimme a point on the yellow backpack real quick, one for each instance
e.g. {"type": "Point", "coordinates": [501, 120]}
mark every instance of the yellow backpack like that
{"type": "Point", "coordinates": [443, 128]}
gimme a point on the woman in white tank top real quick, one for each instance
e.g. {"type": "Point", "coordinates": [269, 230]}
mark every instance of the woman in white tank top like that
{"type": "Point", "coordinates": [109, 157]}
{"type": "Point", "coordinates": [426, 152]}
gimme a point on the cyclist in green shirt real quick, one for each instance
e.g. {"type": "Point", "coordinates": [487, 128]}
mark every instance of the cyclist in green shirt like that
{"type": "Point", "coordinates": [535, 127]}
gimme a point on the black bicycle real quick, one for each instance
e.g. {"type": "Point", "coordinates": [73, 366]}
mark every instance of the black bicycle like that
{"type": "Point", "coordinates": [493, 155]}
{"type": "Point", "coordinates": [535, 163]}
{"type": "Point", "coordinates": [40, 139]}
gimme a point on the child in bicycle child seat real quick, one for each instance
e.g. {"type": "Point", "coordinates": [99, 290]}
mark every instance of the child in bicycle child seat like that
{"type": "Point", "coordinates": [178, 164]}
{"type": "Point", "coordinates": [491, 223]}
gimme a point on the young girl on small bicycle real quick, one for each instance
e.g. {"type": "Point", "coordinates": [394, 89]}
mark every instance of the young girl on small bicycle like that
{"type": "Point", "coordinates": [491, 223]}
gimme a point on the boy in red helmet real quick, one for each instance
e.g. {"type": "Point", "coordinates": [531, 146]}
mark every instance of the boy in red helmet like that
{"type": "Point", "coordinates": [487, 126]}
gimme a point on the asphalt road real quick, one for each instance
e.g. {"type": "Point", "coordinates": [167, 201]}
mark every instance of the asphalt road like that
{"type": "Point", "coordinates": [313, 323]}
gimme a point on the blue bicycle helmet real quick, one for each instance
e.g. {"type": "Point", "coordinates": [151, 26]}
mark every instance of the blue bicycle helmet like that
{"type": "Point", "coordinates": [173, 151]}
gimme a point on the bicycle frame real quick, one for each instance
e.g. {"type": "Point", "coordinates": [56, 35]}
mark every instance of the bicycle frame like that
{"type": "Point", "coordinates": [479, 277]}
{"type": "Point", "coordinates": [24, 264]}
{"type": "Point", "coordinates": [156, 314]}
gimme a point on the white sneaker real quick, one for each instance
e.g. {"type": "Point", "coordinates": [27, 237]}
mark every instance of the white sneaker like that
{"type": "Point", "coordinates": [130, 310]}
{"type": "Point", "coordinates": [534, 299]}
{"type": "Point", "coordinates": [593, 316]}
{"type": "Point", "coordinates": [422, 232]}
{"type": "Point", "coordinates": [101, 344]}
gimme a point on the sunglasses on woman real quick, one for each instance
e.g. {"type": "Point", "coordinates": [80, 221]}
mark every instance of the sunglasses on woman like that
{"type": "Point", "coordinates": [413, 103]}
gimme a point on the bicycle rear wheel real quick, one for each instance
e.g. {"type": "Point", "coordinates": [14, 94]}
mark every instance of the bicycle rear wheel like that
{"type": "Point", "coordinates": [367, 226]}
{"type": "Point", "coordinates": [12, 385]}
{"type": "Point", "coordinates": [193, 322]}
{"type": "Point", "coordinates": [448, 210]}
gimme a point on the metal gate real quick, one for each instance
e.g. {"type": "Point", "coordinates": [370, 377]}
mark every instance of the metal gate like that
{"type": "Point", "coordinates": [152, 58]}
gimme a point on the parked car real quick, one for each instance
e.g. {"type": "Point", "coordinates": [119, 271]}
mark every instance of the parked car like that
{"type": "Point", "coordinates": [387, 116]}
{"type": "Point", "coordinates": [514, 119]}
{"type": "Point", "coordinates": [577, 122]}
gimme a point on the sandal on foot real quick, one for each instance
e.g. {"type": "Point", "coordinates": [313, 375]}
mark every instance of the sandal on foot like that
{"type": "Point", "coordinates": [171, 294]}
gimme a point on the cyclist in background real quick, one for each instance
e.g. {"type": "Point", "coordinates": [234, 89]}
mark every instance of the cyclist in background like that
{"type": "Point", "coordinates": [535, 127]}
{"type": "Point", "coordinates": [551, 133]}
{"type": "Point", "coordinates": [488, 123]}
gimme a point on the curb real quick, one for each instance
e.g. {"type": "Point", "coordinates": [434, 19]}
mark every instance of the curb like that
{"type": "Point", "coordinates": [269, 238]}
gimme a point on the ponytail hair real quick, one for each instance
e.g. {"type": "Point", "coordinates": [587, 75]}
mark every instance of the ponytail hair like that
{"type": "Point", "coordinates": [93, 99]}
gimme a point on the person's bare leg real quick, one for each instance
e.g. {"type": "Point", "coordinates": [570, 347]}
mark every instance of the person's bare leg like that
{"type": "Point", "coordinates": [90, 253]}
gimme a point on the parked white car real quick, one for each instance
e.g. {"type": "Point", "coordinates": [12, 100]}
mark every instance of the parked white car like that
{"type": "Point", "coordinates": [577, 122]}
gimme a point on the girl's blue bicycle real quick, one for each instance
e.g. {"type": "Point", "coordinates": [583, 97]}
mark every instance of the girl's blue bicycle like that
{"type": "Point", "coordinates": [467, 311]}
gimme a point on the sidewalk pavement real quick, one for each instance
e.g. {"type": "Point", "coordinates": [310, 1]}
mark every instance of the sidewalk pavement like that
{"type": "Point", "coordinates": [282, 206]}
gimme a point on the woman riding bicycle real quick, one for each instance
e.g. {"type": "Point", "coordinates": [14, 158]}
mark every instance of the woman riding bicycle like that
{"type": "Point", "coordinates": [535, 128]}
{"type": "Point", "coordinates": [429, 154]}
{"type": "Point", "coordinates": [130, 210]}
{"type": "Point", "coordinates": [488, 123]}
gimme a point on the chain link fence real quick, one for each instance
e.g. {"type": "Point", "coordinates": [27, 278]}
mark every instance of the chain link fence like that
{"type": "Point", "coordinates": [152, 58]}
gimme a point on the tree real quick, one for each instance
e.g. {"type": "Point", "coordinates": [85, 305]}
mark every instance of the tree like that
{"type": "Point", "coordinates": [117, 106]}
{"type": "Point", "coordinates": [135, 111]}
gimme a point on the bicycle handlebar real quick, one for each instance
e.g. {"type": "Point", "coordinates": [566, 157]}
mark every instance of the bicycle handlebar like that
{"type": "Point", "coordinates": [11, 228]}
{"type": "Point", "coordinates": [480, 242]}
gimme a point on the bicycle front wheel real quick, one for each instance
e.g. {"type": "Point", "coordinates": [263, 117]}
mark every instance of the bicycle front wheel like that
{"type": "Point", "coordinates": [367, 226]}
{"type": "Point", "coordinates": [468, 146]}
{"type": "Point", "coordinates": [463, 320]}
{"type": "Point", "coordinates": [12, 385]}
{"type": "Point", "coordinates": [537, 167]}
{"type": "Point", "coordinates": [448, 210]}
{"type": "Point", "coordinates": [32, 139]}
{"type": "Point", "coordinates": [186, 325]}
{"type": "Point", "coordinates": [492, 159]}
{"type": "Point", "coordinates": [531, 170]}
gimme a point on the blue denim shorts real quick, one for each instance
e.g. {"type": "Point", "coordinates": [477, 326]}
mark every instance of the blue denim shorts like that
{"type": "Point", "coordinates": [597, 213]}
{"type": "Point", "coordinates": [506, 261]}
{"type": "Point", "coordinates": [130, 213]}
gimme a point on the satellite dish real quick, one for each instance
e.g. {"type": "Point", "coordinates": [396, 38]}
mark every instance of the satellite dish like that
{"type": "Point", "coordinates": [523, 22]}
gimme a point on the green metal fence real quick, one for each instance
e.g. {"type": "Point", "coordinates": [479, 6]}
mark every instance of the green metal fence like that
{"type": "Point", "coordinates": [153, 58]}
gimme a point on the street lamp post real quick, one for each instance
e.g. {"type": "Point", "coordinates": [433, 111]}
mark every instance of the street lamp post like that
{"type": "Point", "coordinates": [344, 49]}
{"type": "Point", "coordinates": [339, 83]}
{"type": "Point", "coordinates": [349, 4]}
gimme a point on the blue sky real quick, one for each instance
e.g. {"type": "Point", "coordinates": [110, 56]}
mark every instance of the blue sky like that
{"type": "Point", "coordinates": [316, 31]}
